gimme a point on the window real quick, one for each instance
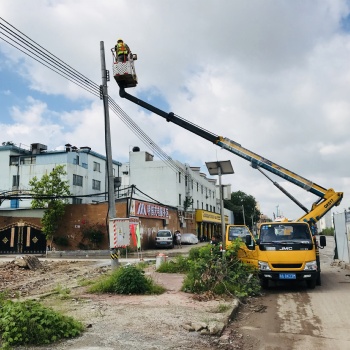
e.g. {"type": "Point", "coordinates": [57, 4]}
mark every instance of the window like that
{"type": "Point", "coordinates": [15, 180]}
{"type": "Point", "coordinates": [14, 160]}
{"type": "Point", "coordinates": [206, 207]}
{"type": "Point", "coordinates": [77, 200]}
{"type": "Point", "coordinates": [202, 189]}
{"type": "Point", "coordinates": [77, 180]}
{"type": "Point", "coordinates": [96, 185]}
{"type": "Point", "coordinates": [28, 160]}
{"type": "Point", "coordinates": [180, 199]}
{"type": "Point", "coordinates": [197, 186]}
{"type": "Point", "coordinates": [186, 180]}
{"type": "Point", "coordinates": [179, 177]}
{"type": "Point", "coordinates": [14, 203]}
{"type": "Point", "coordinates": [76, 160]}
{"type": "Point", "coordinates": [197, 204]}
{"type": "Point", "coordinates": [97, 167]}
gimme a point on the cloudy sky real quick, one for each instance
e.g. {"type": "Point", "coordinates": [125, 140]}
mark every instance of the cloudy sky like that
{"type": "Point", "coordinates": [273, 76]}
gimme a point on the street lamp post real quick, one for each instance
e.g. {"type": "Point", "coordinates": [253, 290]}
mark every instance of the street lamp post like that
{"type": "Point", "coordinates": [243, 214]}
{"type": "Point", "coordinates": [221, 168]}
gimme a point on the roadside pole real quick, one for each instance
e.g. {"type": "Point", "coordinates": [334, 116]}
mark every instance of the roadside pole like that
{"type": "Point", "coordinates": [108, 145]}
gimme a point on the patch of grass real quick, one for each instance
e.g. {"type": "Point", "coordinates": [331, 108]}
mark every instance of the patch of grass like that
{"type": "Point", "coordinates": [221, 308]}
{"type": "Point", "coordinates": [144, 264]}
{"type": "Point", "coordinates": [62, 292]}
{"type": "Point", "coordinates": [83, 282]}
{"type": "Point", "coordinates": [126, 280]}
{"type": "Point", "coordinates": [28, 322]}
{"type": "Point", "coordinates": [178, 265]}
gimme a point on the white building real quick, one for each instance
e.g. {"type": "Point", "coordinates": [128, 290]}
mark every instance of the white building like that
{"type": "Point", "coordinates": [170, 183]}
{"type": "Point", "coordinates": [325, 222]}
{"type": "Point", "coordinates": [86, 171]}
{"type": "Point", "coordinates": [180, 185]}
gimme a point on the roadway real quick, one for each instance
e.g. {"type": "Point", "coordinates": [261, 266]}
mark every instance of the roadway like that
{"type": "Point", "coordinates": [294, 317]}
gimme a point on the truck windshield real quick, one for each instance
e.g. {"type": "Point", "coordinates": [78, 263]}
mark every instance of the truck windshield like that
{"type": "Point", "coordinates": [288, 232]}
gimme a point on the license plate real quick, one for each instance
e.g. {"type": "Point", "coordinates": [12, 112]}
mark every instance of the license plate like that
{"type": "Point", "coordinates": [288, 276]}
{"type": "Point", "coordinates": [163, 242]}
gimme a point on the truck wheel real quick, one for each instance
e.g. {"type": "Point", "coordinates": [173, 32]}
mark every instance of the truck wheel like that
{"type": "Point", "coordinates": [264, 283]}
{"type": "Point", "coordinates": [311, 284]}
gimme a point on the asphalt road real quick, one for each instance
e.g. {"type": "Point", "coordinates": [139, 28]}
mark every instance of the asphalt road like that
{"type": "Point", "coordinates": [295, 317]}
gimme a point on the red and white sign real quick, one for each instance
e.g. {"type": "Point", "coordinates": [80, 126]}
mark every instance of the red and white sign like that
{"type": "Point", "coordinates": [120, 230]}
{"type": "Point", "coordinates": [148, 210]}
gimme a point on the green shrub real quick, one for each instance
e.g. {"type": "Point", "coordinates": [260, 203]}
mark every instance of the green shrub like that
{"type": "Point", "coordinates": [179, 265]}
{"type": "Point", "coordinates": [29, 322]}
{"type": "Point", "coordinates": [62, 241]}
{"type": "Point", "coordinates": [209, 271]}
{"type": "Point", "coordinates": [194, 253]}
{"type": "Point", "coordinates": [126, 280]}
{"type": "Point", "coordinates": [329, 231]}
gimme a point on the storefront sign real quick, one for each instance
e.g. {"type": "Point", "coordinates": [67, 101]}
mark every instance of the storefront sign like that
{"type": "Point", "coordinates": [148, 210]}
{"type": "Point", "coordinates": [207, 216]}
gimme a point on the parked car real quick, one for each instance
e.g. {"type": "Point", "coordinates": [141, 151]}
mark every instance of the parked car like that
{"type": "Point", "coordinates": [164, 239]}
{"type": "Point", "coordinates": [189, 238]}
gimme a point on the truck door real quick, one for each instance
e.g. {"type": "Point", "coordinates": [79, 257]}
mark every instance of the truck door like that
{"type": "Point", "coordinates": [247, 253]}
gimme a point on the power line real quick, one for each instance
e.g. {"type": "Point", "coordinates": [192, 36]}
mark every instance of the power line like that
{"type": "Point", "coordinates": [29, 47]}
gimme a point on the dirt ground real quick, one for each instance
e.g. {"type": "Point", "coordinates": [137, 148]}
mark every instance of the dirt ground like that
{"type": "Point", "coordinates": [122, 322]}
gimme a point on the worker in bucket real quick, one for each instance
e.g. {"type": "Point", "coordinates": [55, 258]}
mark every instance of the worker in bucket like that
{"type": "Point", "coordinates": [122, 51]}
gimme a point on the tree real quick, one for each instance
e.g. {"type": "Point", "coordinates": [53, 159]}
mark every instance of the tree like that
{"type": "Point", "coordinates": [52, 188]}
{"type": "Point", "coordinates": [240, 203]}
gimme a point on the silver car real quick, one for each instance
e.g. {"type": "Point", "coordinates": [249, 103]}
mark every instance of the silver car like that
{"type": "Point", "coordinates": [189, 238]}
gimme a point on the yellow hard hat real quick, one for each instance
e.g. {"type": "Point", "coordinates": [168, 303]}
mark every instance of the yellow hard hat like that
{"type": "Point", "coordinates": [120, 40]}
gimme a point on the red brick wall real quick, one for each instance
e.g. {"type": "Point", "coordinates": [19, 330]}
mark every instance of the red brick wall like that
{"type": "Point", "coordinates": [81, 216]}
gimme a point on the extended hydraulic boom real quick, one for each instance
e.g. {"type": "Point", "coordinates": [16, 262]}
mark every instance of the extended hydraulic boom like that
{"type": "Point", "coordinates": [327, 197]}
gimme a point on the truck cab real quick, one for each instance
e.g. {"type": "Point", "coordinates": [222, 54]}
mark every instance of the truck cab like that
{"type": "Point", "coordinates": [287, 251]}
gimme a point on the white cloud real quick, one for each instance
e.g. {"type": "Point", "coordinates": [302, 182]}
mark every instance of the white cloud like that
{"type": "Point", "coordinates": [272, 76]}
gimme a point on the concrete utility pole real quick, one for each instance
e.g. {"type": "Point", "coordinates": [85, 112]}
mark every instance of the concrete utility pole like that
{"type": "Point", "coordinates": [108, 145]}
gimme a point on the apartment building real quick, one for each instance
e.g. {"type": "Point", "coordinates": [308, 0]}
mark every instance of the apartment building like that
{"type": "Point", "coordinates": [86, 171]}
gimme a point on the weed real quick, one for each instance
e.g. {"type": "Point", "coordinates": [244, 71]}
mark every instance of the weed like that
{"type": "Point", "coordinates": [29, 322]}
{"type": "Point", "coordinates": [210, 271]}
{"type": "Point", "coordinates": [222, 308]}
{"type": "Point", "coordinates": [83, 282]}
{"type": "Point", "coordinates": [63, 293]}
{"type": "Point", "coordinates": [179, 265]}
{"type": "Point", "coordinates": [126, 280]}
